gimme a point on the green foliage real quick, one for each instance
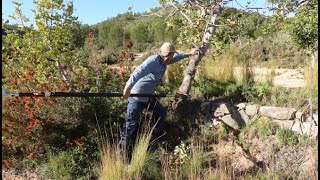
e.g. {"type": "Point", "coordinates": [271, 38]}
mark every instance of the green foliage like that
{"type": "Point", "coordinates": [144, 31]}
{"type": "Point", "coordinates": [47, 124]}
{"type": "Point", "coordinates": [152, 168]}
{"type": "Point", "coordinates": [304, 26]}
{"type": "Point", "coordinates": [208, 88]}
{"type": "Point", "coordinates": [29, 64]}
{"type": "Point", "coordinates": [193, 169]}
{"type": "Point", "coordinates": [181, 154]}
{"type": "Point", "coordinates": [283, 97]}
{"type": "Point", "coordinates": [289, 137]}
{"type": "Point", "coordinates": [256, 93]}
{"type": "Point", "coordinates": [175, 75]}
{"type": "Point", "coordinates": [235, 24]}
{"type": "Point", "coordinates": [71, 164]}
{"type": "Point", "coordinates": [79, 34]}
{"type": "Point", "coordinates": [273, 51]}
{"type": "Point", "coordinates": [260, 128]}
{"type": "Point", "coordinates": [103, 31]}
{"type": "Point", "coordinates": [233, 91]}
{"type": "Point", "coordinates": [60, 166]}
{"type": "Point", "coordinates": [140, 33]}
{"type": "Point", "coordinates": [213, 134]}
{"type": "Point", "coordinates": [115, 37]}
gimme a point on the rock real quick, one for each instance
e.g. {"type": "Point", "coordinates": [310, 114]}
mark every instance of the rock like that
{"type": "Point", "coordinates": [241, 106]}
{"type": "Point", "coordinates": [222, 109]}
{"type": "Point", "coordinates": [252, 110]}
{"type": "Point", "coordinates": [296, 127]}
{"type": "Point", "coordinates": [309, 129]}
{"type": "Point", "coordinates": [244, 117]}
{"type": "Point", "coordinates": [300, 115]}
{"type": "Point", "coordinates": [277, 112]}
{"type": "Point", "coordinates": [230, 121]}
{"type": "Point", "coordinates": [284, 123]}
{"type": "Point", "coordinates": [309, 119]}
{"type": "Point", "coordinates": [218, 114]}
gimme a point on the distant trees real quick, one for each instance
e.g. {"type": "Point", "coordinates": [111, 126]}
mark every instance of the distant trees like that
{"type": "Point", "coordinates": [144, 31]}
{"type": "Point", "coordinates": [236, 23]}
{"type": "Point", "coordinates": [304, 27]}
{"type": "Point", "coordinates": [115, 36]}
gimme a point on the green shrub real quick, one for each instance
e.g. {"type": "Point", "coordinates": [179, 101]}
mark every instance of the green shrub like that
{"type": "Point", "coordinates": [152, 167]}
{"type": "Point", "coordinates": [73, 163]}
{"type": "Point", "coordinates": [233, 91]}
{"type": "Point", "coordinates": [208, 88]}
{"type": "Point", "coordinates": [294, 97]}
{"type": "Point", "coordinates": [256, 93]}
{"type": "Point", "coordinates": [260, 128]}
{"type": "Point", "coordinates": [60, 166]}
{"type": "Point", "coordinates": [289, 137]}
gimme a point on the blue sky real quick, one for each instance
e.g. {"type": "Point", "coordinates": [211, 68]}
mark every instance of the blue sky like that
{"type": "Point", "coordinates": [88, 11]}
{"type": "Point", "coordinates": [95, 11]}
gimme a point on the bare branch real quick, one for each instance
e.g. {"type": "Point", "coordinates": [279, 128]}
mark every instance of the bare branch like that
{"type": "Point", "coordinates": [173, 12]}
{"type": "Point", "coordinates": [185, 15]}
{"type": "Point", "coordinates": [195, 3]}
{"type": "Point", "coordinates": [158, 13]}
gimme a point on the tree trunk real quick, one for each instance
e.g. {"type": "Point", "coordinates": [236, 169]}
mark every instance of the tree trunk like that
{"type": "Point", "coordinates": [195, 60]}
{"type": "Point", "coordinates": [63, 74]}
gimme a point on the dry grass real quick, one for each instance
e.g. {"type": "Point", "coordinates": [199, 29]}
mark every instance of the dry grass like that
{"type": "Point", "coordinates": [112, 166]}
{"type": "Point", "coordinates": [226, 68]}
{"type": "Point", "coordinates": [139, 154]}
{"type": "Point", "coordinates": [117, 167]}
{"type": "Point", "coordinates": [221, 71]}
{"type": "Point", "coordinates": [311, 75]}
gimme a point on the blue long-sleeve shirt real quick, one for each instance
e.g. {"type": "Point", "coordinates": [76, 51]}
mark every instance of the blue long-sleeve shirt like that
{"type": "Point", "coordinates": [148, 75]}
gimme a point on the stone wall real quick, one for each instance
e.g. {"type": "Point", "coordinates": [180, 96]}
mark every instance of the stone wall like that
{"type": "Point", "coordinates": [239, 115]}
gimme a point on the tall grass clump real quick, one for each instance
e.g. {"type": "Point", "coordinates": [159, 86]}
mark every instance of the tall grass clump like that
{"type": "Point", "coordinates": [194, 168]}
{"type": "Point", "coordinates": [115, 166]}
{"type": "Point", "coordinates": [221, 68]}
{"type": "Point", "coordinates": [187, 161]}
{"type": "Point", "coordinates": [235, 63]}
{"type": "Point", "coordinates": [139, 153]}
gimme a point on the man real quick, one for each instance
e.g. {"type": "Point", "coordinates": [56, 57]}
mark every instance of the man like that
{"type": "Point", "coordinates": [144, 80]}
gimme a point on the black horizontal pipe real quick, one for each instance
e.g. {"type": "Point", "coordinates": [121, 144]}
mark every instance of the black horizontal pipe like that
{"type": "Point", "coordinates": [87, 94]}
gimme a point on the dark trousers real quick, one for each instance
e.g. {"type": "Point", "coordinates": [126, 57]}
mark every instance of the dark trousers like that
{"type": "Point", "coordinates": [134, 111]}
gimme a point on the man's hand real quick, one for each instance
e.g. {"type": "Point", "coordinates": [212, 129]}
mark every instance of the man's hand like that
{"type": "Point", "coordinates": [126, 93]}
{"type": "Point", "coordinates": [194, 51]}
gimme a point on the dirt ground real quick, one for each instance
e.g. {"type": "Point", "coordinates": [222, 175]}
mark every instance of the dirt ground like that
{"type": "Point", "coordinates": [290, 78]}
